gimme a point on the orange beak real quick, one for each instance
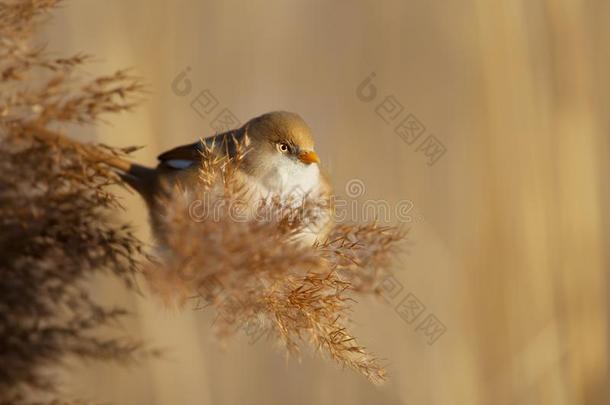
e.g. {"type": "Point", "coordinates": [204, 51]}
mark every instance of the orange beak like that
{"type": "Point", "coordinates": [309, 157]}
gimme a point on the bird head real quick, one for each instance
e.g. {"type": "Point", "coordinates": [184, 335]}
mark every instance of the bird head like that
{"type": "Point", "coordinates": [282, 134]}
{"type": "Point", "coordinates": [281, 151]}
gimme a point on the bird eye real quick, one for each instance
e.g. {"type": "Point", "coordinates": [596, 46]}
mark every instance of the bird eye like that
{"type": "Point", "coordinates": [282, 147]}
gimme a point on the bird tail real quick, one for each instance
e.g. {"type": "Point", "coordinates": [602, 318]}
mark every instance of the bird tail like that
{"type": "Point", "coordinates": [141, 178]}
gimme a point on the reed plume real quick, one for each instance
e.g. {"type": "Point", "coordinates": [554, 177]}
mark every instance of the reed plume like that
{"type": "Point", "coordinates": [57, 225]}
{"type": "Point", "coordinates": [256, 273]}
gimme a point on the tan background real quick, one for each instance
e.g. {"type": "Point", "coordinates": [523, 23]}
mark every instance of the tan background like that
{"type": "Point", "coordinates": [511, 253]}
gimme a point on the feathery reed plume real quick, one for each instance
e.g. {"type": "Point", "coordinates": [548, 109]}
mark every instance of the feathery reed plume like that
{"type": "Point", "coordinates": [252, 267]}
{"type": "Point", "coordinates": [56, 225]}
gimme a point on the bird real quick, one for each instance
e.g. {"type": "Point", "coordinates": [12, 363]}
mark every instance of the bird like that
{"type": "Point", "coordinates": [280, 160]}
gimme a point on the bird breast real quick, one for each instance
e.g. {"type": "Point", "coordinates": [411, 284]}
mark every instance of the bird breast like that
{"type": "Point", "coordinates": [289, 178]}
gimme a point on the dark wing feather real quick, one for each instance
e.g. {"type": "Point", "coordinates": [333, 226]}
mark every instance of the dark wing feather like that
{"type": "Point", "coordinates": [184, 152]}
{"type": "Point", "coordinates": [179, 157]}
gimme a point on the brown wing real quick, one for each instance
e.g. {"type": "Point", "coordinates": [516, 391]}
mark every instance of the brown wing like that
{"type": "Point", "coordinates": [183, 157]}
{"type": "Point", "coordinates": [186, 152]}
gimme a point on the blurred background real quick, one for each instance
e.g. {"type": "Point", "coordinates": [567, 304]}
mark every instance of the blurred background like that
{"type": "Point", "coordinates": [490, 117]}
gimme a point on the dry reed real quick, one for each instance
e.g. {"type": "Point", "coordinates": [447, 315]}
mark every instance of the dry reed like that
{"type": "Point", "coordinates": [259, 276]}
{"type": "Point", "coordinates": [56, 213]}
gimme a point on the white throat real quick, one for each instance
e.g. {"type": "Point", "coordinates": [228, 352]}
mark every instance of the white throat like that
{"type": "Point", "coordinates": [290, 180]}
{"type": "Point", "coordinates": [288, 177]}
